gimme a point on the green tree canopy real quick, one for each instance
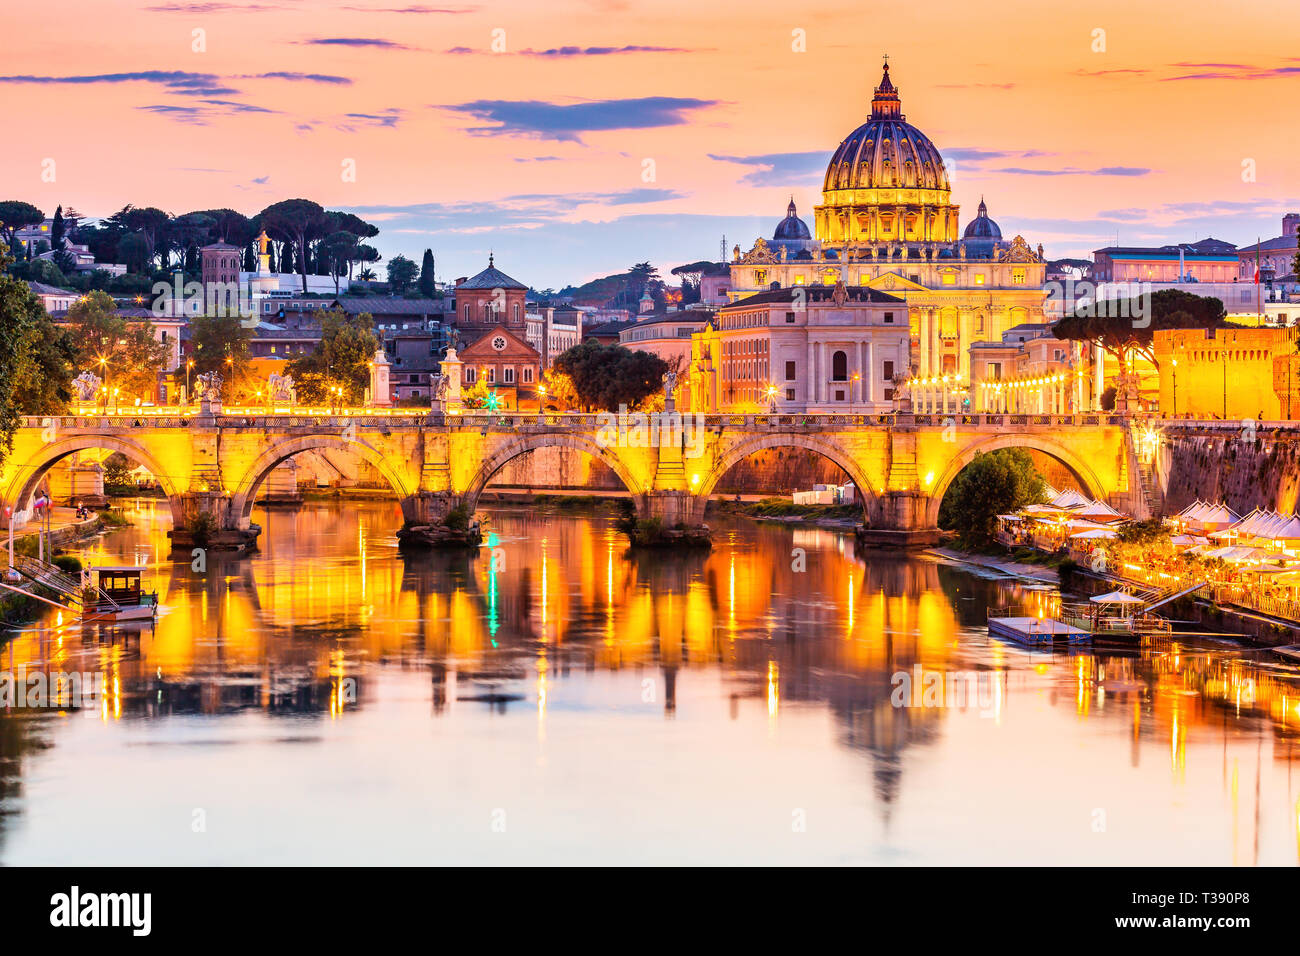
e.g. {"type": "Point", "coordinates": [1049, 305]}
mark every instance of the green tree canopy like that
{"type": "Point", "coordinates": [1131, 324]}
{"type": "Point", "coordinates": [18, 312]}
{"type": "Point", "coordinates": [607, 376]}
{"type": "Point", "coordinates": [341, 359]}
{"type": "Point", "coordinates": [401, 273]}
{"type": "Point", "coordinates": [126, 356]}
{"type": "Point", "coordinates": [14, 215]}
{"type": "Point", "coordinates": [298, 221]}
{"type": "Point", "coordinates": [994, 483]}
{"type": "Point", "coordinates": [220, 344]}
{"type": "Point", "coordinates": [427, 283]}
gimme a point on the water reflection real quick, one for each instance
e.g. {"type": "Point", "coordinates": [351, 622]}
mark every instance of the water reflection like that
{"type": "Point", "coordinates": [630, 707]}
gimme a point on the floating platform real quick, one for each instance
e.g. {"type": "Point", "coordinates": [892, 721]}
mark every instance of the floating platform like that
{"type": "Point", "coordinates": [1038, 632]}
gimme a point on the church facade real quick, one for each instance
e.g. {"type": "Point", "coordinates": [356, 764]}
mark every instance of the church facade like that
{"type": "Point", "coordinates": [887, 223]}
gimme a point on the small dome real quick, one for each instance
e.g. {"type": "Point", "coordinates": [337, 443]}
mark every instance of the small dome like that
{"type": "Point", "coordinates": [982, 227]}
{"type": "Point", "coordinates": [791, 227]}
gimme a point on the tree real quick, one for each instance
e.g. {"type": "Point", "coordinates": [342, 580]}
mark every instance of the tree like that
{"type": "Point", "coordinates": [341, 359]}
{"type": "Point", "coordinates": [44, 374]}
{"type": "Point", "coordinates": [427, 285]}
{"type": "Point", "coordinates": [994, 483]}
{"type": "Point", "coordinates": [297, 221]}
{"type": "Point", "coordinates": [126, 356]}
{"type": "Point", "coordinates": [606, 377]}
{"type": "Point", "coordinates": [15, 215]}
{"type": "Point", "coordinates": [57, 231]}
{"type": "Point", "coordinates": [1130, 325]}
{"type": "Point", "coordinates": [18, 309]}
{"type": "Point", "coordinates": [220, 344]}
{"type": "Point", "coordinates": [339, 248]}
{"type": "Point", "coordinates": [401, 273]}
{"type": "Point", "coordinates": [151, 223]}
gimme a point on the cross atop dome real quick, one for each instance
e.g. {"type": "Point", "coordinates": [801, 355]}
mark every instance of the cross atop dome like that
{"type": "Point", "coordinates": [885, 104]}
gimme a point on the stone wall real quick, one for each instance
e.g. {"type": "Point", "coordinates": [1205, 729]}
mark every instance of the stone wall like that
{"type": "Point", "coordinates": [1242, 470]}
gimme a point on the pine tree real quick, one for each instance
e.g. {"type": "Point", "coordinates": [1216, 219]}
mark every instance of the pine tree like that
{"type": "Point", "coordinates": [427, 286]}
{"type": "Point", "coordinates": [56, 233]}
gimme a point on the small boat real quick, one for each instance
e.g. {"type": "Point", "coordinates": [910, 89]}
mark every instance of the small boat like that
{"type": "Point", "coordinates": [117, 594]}
{"type": "Point", "coordinates": [1024, 626]}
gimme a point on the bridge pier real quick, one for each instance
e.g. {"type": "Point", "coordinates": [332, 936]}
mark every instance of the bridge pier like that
{"type": "Point", "coordinates": [430, 521]}
{"type": "Point", "coordinates": [899, 519]}
{"type": "Point", "coordinates": [208, 520]}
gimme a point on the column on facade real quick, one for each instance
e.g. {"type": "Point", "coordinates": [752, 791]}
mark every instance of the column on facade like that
{"type": "Point", "coordinates": [923, 340]}
{"type": "Point", "coordinates": [1098, 377]}
{"type": "Point", "coordinates": [868, 372]}
{"type": "Point", "coordinates": [965, 329]}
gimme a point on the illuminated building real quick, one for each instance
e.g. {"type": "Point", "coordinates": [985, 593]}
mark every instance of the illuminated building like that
{"type": "Point", "coordinates": [887, 222]}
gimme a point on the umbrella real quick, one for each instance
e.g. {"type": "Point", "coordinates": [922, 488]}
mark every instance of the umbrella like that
{"type": "Point", "coordinates": [1094, 533]}
{"type": "Point", "coordinates": [1116, 597]}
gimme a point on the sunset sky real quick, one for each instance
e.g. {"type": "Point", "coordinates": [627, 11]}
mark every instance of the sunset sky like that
{"type": "Point", "coordinates": [540, 151]}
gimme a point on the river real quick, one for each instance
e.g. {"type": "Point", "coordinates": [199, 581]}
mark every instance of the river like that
{"type": "Point", "coordinates": [555, 699]}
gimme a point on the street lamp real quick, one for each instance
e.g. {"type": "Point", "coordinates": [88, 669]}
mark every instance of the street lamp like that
{"type": "Point", "coordinates": [541, 401]}
{"type": "Point", "coordinates": [189, 365]}
{"type": "Point", "coordinates": [1175, 364]}
{"type": "Point", "coordinates": [857, 377]}
{"type": "Point", "coordinates": [771, 397]}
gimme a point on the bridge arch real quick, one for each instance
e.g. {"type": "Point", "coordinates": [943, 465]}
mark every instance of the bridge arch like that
{"type": "Point", "coordinates": [245, 495]}
{"type": "Point", "coordinates": [30, 473]}
{"type": "Point", "coordinates": [1079, 469]}
{"type": "Point", "coordinates": [743, 449]}
{"type": "Point", "coordinates": [511, 450]}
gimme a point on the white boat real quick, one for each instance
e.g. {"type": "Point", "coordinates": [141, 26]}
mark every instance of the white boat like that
{"type": "Point", "coordinates": [118, 595]}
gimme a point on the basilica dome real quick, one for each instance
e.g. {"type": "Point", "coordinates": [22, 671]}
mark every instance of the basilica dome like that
{"type": "Point", "coordinates": [791, 227]}
{"type": "Point", "coordinates": [982, 227]}
{"type": "Point", "coordinates": [886, 151]}
{"type": "Point", "coordinates": [886, 183]}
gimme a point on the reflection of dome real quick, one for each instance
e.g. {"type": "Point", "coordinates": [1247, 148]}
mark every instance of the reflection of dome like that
{"type": "Point", "coordinates": [791, 227]}
{"type": "Point", "coordinates": [887, 184]}
{"type": "Point", "coordinates": [982, 227]}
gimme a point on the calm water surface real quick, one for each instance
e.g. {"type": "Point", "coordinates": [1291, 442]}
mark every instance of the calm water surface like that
{"type": "Point", "coordinates": [554, 699]}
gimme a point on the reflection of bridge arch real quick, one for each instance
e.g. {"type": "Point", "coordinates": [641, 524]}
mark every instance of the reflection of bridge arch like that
{"type": "Point", "coordinates": [245, 496]}
{"type": "Point", "coordinates": [1079, 469]}
{"type": "Point", "coordinates": [742, 450]}
{"type": "Point", "coordinates": [30, 474]}
{"type": "Point", "coordinates": [520, 446]}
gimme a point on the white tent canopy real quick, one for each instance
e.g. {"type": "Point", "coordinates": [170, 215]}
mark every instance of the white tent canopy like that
{"type": "Point", "coordinates": [1115, 597]}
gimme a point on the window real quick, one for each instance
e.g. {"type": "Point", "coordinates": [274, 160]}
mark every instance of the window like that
{"type": "Point", "coordinates": [889, 372]}
{"type": "Point", "coordinates": [469, 374]}
{"type": "Point", "coordinates": [508, 374]}
{"type": "Point", "coordinates": [994, 371]}
{"type": "Point", "coordinates": [789, 318]}
{"type": "Point", "coordinates": [949, 279]}
{"type": "Point", "coordinates": [839, 395]}
{"type": "Point", "coordinates": [492, 374]}
{"type": "Point", "coordinates": [889, 318]}
{"type": "Point", "coordinates": [528, 373]}
{"type": "Point", "coordinates": [789, 394]}
{"type": "Point", "coordinates": [516, 311]}
{"type": "Point", "coordinates": [1017, 276]}
{"type": "Point", "coordinates": [789, 371]}
{"type": "Point", "coordinates": [839, 367]}
{"type": "Point", "coordinates": [466, 311]}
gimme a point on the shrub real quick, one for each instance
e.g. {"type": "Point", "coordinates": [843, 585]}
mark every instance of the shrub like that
{"type": "Point", "coordinates": [68, 562]}
{"type": "Point", "coordinates": [457, 518]}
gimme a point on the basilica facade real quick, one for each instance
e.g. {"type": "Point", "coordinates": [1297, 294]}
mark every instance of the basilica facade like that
{"type": "Point", "coordinates": [887, 223]}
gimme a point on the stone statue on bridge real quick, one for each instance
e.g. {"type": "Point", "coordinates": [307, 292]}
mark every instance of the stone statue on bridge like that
{"type": "Point", "coordinates": [86, 386]}
{"type": "Point", "coordinates": [209, 386]}
{"type": "Point", "coordinates": [280, 387]}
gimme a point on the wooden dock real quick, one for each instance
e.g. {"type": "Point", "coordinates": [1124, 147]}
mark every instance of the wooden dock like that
{"type": "Point", "coordinates": [1037, 632]}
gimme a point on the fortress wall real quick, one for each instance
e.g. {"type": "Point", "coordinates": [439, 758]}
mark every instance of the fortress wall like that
{"type": "Point", "coordinates": [1245, 472]}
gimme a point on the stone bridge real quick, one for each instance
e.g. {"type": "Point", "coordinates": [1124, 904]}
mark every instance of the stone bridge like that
{"type": "Point", "coordinates": [213, 463]}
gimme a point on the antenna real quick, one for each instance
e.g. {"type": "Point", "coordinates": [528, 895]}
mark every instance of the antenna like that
{"type": "Point", "coordinates": [722, 248]}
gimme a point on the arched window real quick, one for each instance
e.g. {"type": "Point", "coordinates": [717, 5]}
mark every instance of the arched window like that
{"type": "Point", "coordinates": [839, 367]}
